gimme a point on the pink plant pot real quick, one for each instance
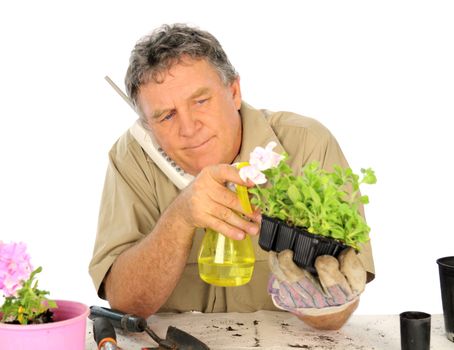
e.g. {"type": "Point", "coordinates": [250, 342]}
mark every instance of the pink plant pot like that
{"type": "Point", "coordinates": [66, 332]}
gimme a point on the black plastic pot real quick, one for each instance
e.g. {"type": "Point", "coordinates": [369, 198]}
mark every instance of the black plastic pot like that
{"type": "Point", "coordinates": [414, 330]}
{"type": "Point", "coordinates": [446, 271]}
{"type": "Point", "coordinates": [277, 236]}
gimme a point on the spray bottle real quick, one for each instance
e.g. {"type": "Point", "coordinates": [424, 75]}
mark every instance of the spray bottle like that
{"type": "Point", "coordinates": [224, 261]}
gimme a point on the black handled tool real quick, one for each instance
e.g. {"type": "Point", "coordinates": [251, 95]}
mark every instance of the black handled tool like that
{"type": "Point", "coordinates": [127, 322]}
{"type": "Point", "coordinates": [176, 339]}
{"type": "Point", "coordinates": [104, 334]}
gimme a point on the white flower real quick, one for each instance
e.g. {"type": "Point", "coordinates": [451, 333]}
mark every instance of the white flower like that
{"type": "Point", "coordinates": [265, 158]}
{"type": "Point", "coordinates": [252, 173]}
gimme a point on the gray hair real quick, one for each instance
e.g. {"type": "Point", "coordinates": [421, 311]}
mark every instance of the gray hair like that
{"type": "Point", "coordinates": [168, 45]}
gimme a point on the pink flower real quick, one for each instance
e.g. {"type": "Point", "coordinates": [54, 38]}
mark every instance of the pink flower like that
{"type": "Point", "coordinates": [265, 158]}
{"type": "Point", "coordinates": [15, 267]}
{"type": "Point", "coordinates": [252, 173]}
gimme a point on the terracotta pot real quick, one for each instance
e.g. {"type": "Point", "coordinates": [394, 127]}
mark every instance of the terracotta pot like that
{"type": "Point", "coordinates": [331, 321]}
{"type": "Point", "coordinates": [66, 332]}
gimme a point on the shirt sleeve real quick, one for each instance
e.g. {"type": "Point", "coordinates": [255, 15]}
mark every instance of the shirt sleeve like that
{"type": "Point", "coordinates": [128, 209]}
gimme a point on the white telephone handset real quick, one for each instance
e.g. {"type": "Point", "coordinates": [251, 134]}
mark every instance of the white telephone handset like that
{"type": "Point", "coordinates": [151, 147]}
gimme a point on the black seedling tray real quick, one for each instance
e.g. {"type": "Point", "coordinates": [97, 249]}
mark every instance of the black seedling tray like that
{"type": "Point", "coordinates": [277, 236]}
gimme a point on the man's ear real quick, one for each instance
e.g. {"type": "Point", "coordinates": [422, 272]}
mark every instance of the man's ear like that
{"type": "Point", "coordinates": [235, 89]}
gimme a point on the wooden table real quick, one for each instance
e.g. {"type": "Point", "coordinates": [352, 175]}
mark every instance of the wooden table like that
{"type": "Point", "coordinates": [278, 330]}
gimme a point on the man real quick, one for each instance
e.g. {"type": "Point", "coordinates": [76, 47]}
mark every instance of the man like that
{"type": "Point", "coordinates": [188, 96]}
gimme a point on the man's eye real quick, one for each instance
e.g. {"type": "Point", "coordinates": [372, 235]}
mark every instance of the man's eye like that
{"type": "Point", "coordinates": [202, 101]}
{"type": "Point", "coordinates": [168, 116]}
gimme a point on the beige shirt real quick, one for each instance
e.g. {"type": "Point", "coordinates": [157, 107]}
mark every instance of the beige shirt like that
{"type": "Point", "coordinates": [136, 192]}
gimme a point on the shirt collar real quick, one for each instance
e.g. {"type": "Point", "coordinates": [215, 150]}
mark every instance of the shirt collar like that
{"type": "Point", "coordinates": [256, 132]}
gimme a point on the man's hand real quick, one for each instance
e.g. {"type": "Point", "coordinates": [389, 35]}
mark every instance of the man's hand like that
{"type": "Point", "coordinates": [207, 202]}
{"type": "Point", "coordinates": [325, 302]}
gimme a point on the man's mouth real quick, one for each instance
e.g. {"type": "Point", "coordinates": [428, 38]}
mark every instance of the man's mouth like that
{"type": "Point", "coordinates": [199, 145]}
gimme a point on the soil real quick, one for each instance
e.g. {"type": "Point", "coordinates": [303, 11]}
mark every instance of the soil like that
{"type": "Point", "coordinates": [45, 317]}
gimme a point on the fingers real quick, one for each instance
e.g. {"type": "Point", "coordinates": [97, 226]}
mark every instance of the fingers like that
{"type": "Point", "coordinates": [337, 296]}
{"type": "Point", "coordinates": [207, 202]}
{"type": "Point", "coordinates": [273, 263]}
{"type": "Point", "coordinates": [290, 269]}
{"type": "Point", "coordinates": [285, 269]}
{"type": "Point", "coordinates": [223, 173]}
{"type": "Point", "coordinates": [353, 269]}
{"type": "Point", "coordinates": [291, 285]}
{"type": "Point", "coordinates": [329, 274]}
{"type": "Point", "coordinates": [293, 288]}
{"type": "Point", "coordinates": [296, 295]}
{"type": "Point", "coordinates": [230, 224]}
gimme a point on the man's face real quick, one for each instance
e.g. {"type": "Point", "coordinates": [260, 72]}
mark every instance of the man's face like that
{"type": "Point", "coordinates": [194, 115]}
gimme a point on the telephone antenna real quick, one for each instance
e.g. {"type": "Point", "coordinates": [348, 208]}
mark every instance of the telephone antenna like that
{"type": "Point", "coordinates": [120, 92]}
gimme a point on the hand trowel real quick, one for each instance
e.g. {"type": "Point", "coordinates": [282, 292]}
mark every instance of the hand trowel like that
{"type": "Point", "coordinates": [175, 338]}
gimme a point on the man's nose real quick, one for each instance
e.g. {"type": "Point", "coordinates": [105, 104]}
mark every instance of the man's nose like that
{"type": "Point", "coordinates": [189, 123]}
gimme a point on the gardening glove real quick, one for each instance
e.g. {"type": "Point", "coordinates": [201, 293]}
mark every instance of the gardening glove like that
{"type": "Point", "coordinates": [323, 302]}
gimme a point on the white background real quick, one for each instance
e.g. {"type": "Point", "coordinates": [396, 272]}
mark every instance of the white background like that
{"type": "Point", "coordinates": [379, 75]}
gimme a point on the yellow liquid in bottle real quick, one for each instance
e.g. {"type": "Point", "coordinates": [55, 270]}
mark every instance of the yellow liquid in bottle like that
{"type": "Point", "coordinates": [226, 262]}
{"type": "Point", "coordinates": [226, 275]}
